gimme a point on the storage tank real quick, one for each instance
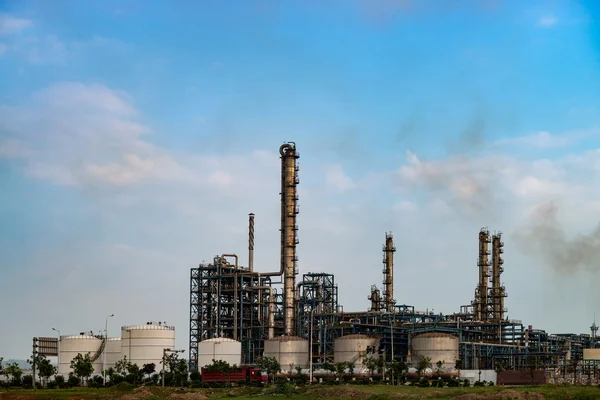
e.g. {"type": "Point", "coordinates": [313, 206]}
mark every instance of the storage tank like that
{"type": "Point", "coordinates": [352, 348]}
{"type": "Point", "coordinates": [224, 349]}
{"type": "Point", "coordinates": [289, 351]}
{"type": "Point", "coordinates": [72, 345]}
{"type": "Point", "coordinates": [144, 344]}
{"type": "Point", "coordinates": [436, 345]}
{"type": "Point", "coordinates": [113, 352]}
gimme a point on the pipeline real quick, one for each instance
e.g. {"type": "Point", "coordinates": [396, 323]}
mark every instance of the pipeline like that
{"type": "Point", "coordinates": [271, 325]}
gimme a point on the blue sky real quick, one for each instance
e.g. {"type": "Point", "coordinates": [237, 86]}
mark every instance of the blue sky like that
{"type": "Point", "coordinates": [135, 137]}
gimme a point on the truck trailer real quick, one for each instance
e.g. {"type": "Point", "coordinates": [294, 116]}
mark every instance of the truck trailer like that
{"type": "Point", "coordinates": [247, 374]}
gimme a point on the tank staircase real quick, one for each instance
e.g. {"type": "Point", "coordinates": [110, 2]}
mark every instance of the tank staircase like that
{"type": "Point", "coordinates": [363, 353]}
{"type": "Point", "coordinates": [100, 350]}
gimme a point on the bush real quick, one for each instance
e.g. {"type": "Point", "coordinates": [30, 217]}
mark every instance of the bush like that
{"type": "Point", "coordinates": [27, 382]}
{"type": "Point", "coordinates": [423, 383]}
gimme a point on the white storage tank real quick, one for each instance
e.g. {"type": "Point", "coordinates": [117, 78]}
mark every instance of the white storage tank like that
{"type": "Point", "coordinates": [223, 349]}
{"type": "Point", "coordinates": [113, 352]}
{"type": "Point", "coordinates": [438, 346]}
{"type": "Point", "coordinates": [352, 348]}
{"type": "Point", "coordinates": [289, 351]}
{"type": "Point", "coordinates": [82, 344]}
{"type": "Point", "coordinates": [144, 344]}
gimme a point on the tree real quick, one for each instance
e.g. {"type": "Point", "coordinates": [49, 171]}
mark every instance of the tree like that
{"type": "Point", "coordinates": [45, 370]}
{"type": "Point", "coordinates": [340, 369]}
{"type": "Point", "coordinates": [148, 369]}
{"type": "Point", "coordinates": [439, 366]}
{"type": "Point", "coordinates": [122, 366]}
{"type": "Point", "coordinates": [43, 366]}
{"type": "Point", "coordinates": [13, 373]}
{"type": "Point", "coordinates": [270, 365]}
{"type": "Point", "coordinates": [133, 373]}
{"type": "Point", "coordinates": [1, 367]}
{"type": "Point", "coordinates": [371, 364]}
{"type": "Point", "coordinates": [82, 367]}
{"type": "Point", "coordinates": [423, 364]}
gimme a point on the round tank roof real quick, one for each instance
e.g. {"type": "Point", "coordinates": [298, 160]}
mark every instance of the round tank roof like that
{"type": "Point", "coordinates": [111, 339]}
{"type": "Point", "coordinates": [147, 327]}
{"type": "Point", "coordinates": [355, 336]}
{"type": "Point", "coordinates": [434, 335]}
{"type": "Point", "coordinates": [219, 340]}
{"type": "Point", "coordinates": [80, 337]}
{"type": "Point", "coordinates": [287, 339]}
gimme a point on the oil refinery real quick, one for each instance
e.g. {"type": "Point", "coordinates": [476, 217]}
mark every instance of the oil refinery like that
{"type": "Point", "coordinates": [241, 313]}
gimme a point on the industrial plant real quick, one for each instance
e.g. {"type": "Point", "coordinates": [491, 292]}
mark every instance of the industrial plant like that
{"type": "Point", "coordinates": [240, 313]}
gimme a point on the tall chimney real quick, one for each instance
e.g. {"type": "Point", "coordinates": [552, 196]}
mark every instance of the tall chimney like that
{"type": "Point", "coordinates": [251, 242]}
{"type": "Point", "coordinates": [289, 239]}
{"type": "Point", "coordinates": [388, 272]}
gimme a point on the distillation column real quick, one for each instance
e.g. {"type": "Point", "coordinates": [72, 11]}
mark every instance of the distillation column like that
{"type": "Point", "coordinates": [497, 293]}
{"type": "Point", "coordinates": [388, 272]}
{"type": "Point", "coordinates": [481, 293]}
{"type": "Point", "coordinates": [251, 242]}
{"type": "Point", "coordinates": [289, 240]}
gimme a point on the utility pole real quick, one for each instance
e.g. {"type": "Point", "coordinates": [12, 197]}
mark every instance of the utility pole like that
{"type": "Point", "coordinates": [104, 351]}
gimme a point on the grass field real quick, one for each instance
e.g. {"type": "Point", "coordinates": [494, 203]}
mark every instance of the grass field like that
{"type": "Point", "coordinates": [317, 392]}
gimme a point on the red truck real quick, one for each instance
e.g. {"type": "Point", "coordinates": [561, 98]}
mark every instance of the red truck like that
{"type": "Point", "coordinates": [235, 375]}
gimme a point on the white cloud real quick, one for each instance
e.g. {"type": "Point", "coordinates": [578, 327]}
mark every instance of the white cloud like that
{"type": "Point", "coordinates": [337, 179]}
{"type": "Point", "coordinates": [547, 21]}
{"type": "Point", "coordinates": [11, 25]}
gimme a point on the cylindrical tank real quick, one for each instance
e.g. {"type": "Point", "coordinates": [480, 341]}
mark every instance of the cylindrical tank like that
{"type": "Point", "coordinates": [144, 344]}
{"type": "Point", "coordinates": [352, 348]}
{"type": "Point", "coordinates": [70, 346]}
{"type": "Point", "coordinates": [289, 351]}
{"type": "Point", "coordinates": [438, 346]}
{"type": "Point", "coordinates": [113, 352]}
{"type": "Point", "coordinates": [223, 349]}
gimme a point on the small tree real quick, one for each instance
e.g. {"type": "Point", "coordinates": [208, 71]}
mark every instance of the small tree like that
{"type": "Point", "coordinates": [439, 366]}
{"type": "Point", "coordinates": [148, 369]}
{"type": "Point", "coordinates": [340, 369]}
{"type": "Point", "coordinates": [371, 364]}
{"type": "Point", "coordinates": [46, 370]}
{"type": "Point", "coordinates": [270, 365]}
{"type": "Point", "coordinates": [82, 367]}
{"type": "Point", "coordinates": [423, 364]}
{"type": "Point", "coordinates": [13, 373]}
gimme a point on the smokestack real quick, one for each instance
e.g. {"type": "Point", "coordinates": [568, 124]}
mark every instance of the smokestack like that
{"type": "Point", "coordinates": [388, 272]}
{"type": "Point", "coordinates": [251, 242]}
{"type": "Point", "coordinates": [289, 240]}
{"type": "Point", "coordinates": [497, 292]}
{"type": "Point", "coordinates": [481, 293]}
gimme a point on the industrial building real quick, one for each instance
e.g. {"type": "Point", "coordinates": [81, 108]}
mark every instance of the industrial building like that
{"type": "Point", "coordinates": [240, 314]}
{"type": "Point", "coordinates": [141, 344]}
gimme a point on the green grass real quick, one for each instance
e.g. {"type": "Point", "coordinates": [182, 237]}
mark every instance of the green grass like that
{"type": "Point", "coordinates": [316, 392]}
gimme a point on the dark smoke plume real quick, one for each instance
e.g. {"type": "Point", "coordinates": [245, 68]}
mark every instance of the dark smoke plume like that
{"type": "Point", "coordinates": [545, 238]}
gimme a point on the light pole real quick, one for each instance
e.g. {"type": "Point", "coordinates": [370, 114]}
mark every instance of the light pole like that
{"type": "Point", "coordinates": [104, 350]}
{"type": "Point", "coordinates": [58, 357]}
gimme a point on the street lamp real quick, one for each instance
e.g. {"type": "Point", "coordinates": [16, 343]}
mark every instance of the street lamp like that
{"type": "Point", "coordinates": [58, 357]}
{"type": "Point", "coordinates": [104, 351]}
